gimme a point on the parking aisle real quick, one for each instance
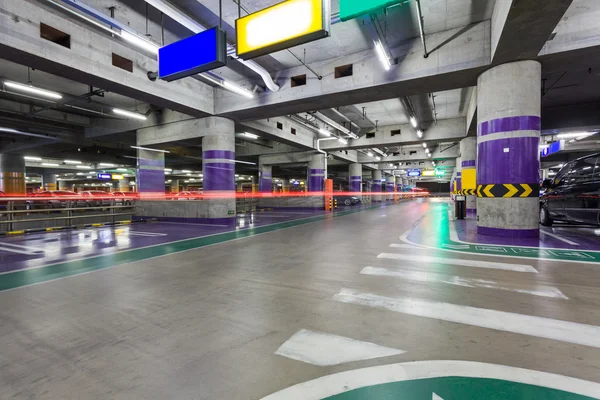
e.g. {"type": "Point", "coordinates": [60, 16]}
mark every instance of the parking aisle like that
{"type": "Point", "coordinates": [251, 317]}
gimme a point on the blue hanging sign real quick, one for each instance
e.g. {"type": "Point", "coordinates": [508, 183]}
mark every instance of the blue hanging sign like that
{"type": "Point", "coordinates": [199, 53]}
{"type": "Point", "coordinates": [553, 148]}
{"type": "Point", "coordinates": [414, 172]}
{"type": "Point", "coordinates": [105, 176]}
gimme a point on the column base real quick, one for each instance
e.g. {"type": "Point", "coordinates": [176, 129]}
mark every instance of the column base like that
{"type": "Point", "coordinates": [471, 211]}
{"type": "Point", "coordinates": [511, 233]}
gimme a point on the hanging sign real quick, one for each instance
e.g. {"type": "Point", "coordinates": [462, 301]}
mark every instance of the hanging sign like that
{"type": "Point", "coordinates": [414, 172]}
{"type": "Point", "coordinates": [190, 56]}
{"type": "Point", "coordinates": [350, 9]}
{"type": "Point", "coordinates": [104, 176]}
{"type": "Point", "coordinates": [284, 25]}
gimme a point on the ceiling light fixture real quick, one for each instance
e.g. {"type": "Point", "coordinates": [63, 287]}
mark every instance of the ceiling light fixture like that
{"type": "Point", "coordinates": [381, 54]}
{"type": "Point", "coordinates": [122, 169]}
{"type": "Point", "coordinates": [129, 114]}
{"type": "Point", "coordinates": [30, 158]}
{"type": "Point", "coordinates": [237, 89]}
{"type": "Point", "coordinates": [150, 149]}
{"type": "Point", "coordinates": [49, 164]}
{"type": "Point", "coordinates": [83, 167]}
{"type": "Point", "coordinates": [106, 165]}
{"type": "Point", "coordinates": [413, 122]}
{"type": "Point", "coordinates": [370, 154]}
{"type": "Point", "coordinates": [185, 171]}
{"type": "Point", "coordinates": [250, 135]}
{"type": "Point", "coordinates": [168, 170]}
{"type": "Point", "coordinates": [33, 89]}
{"type": "Point", "coordinates": [325, 132]}
{"type": "Point", "coordinates": [378, 158]}
{"type": "Point", "coordinates": [139, 42]}
{"type": "Point", "coordinates": [72, 162]}
{"type": "Point", "coordinates": [424, 145]}
{"type": "Point", "coordinates": [245, 162]}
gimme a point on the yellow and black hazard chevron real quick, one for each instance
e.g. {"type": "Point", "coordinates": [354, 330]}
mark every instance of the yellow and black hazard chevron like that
{"type": "Point", "coordinates": [509, 190]}
{"type": "Point", "coordinates": [466, 192]}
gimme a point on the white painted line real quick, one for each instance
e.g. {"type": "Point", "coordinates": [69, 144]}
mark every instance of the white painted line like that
{"type": "Point", "coordinates": [18, 246]}
{"type": "Point", "coordinates": [140, 233]}
{"type": "Point", "coordinates": [459, 262]}
{"type": "Point", "coordinates": [190, 223]}
{"type": "Point", "coordinates": [426, 277]}
{"type": "Point", "coordinates": [324, 349]}
{"type": "Point", "coordinates": [346, 381]}
{"type": "Point", "coordinates": [404, 246]}
{"type": "Point", "coordinates": [20, 251]}
{"type": "Point", "coordinates": [564, 331]}
{"type": "Point", "coordinates": [562, 239]}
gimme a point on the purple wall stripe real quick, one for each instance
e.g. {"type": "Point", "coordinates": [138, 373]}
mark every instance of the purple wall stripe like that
{"type": "Point", "coordinates": [355, 183]}
{"type": "Point", "coordinates": [316, 171]}
{"type": "Point", "coordinates": [266, 185]}
{"type": "Point", "coordinates": [509, 124]}
{"type": "Point", "coordinates": [511, 233]}
{"type": "Point", "coordinates": [519, 165]}
{"type": "Point", "coordinates": [356, 178]}
{"type": "Point", "coordinates": [218, 176]}
{"type": "Point", "coordinates": [148, 162]}
{"type": "Point", "coordinates": [458, 173]}
{"type": "Point", "coordinates": [468, 163]}
{"type": "Point", "coordinates": [228, 155]}
{"type": "Point", "coordinates": [376, 187]}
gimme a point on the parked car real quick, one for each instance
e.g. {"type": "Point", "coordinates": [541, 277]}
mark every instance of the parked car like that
{"type": "Point", "coordinates": [53, 199]}
{"type": "Point", "coordinates": [124, 198]}
{"type": "Point", "coordinates": [186, 195]}
{"type": "Point", "coordinates": [574, 194]}
{"type": "Point", "coordinates": [346, 199]}
{"type": "Point", "coordinates": [96, 198]}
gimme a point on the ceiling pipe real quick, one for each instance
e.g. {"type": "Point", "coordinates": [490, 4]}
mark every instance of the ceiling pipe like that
{"type": "Point", "coordinates": [335, 125]}
{"type": "Point", "coordinates": [324, 152]}
{"type": "Point", "coordinates": [421, 28]}
{"type": "Point", "coordinates": [194, 26]}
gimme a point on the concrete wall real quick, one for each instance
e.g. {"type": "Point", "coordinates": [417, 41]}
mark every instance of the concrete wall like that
{"type": "Point", "coordinates": [185, 211]}
{"type": "Point", "coordinates": [309, 202]}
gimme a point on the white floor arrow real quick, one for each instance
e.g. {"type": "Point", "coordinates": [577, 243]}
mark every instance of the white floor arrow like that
{"type": "Point", "coordinates": [436, 397]}
{"type": "Point", "coordinates": [324, 349]}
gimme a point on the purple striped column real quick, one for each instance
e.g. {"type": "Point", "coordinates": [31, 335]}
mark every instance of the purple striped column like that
{"type": "Point", "coordinates": [376, 185]}
{"type": "Point", "coordinates": [218, 170]}
{"type": "Point", "coordinates": [508, 138]}
{"type": "Point", "coordinates": [316, 179]}
{"type": "Point", "coordinates": [151, 174]}
{"type": "Point", "coordinates": [265, 178]}
{"type": "Point", "coordinates": [355, 179]}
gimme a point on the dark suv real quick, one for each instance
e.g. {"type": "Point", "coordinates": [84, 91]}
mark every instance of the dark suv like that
{"type": "Point", "coordinates": [574, 194]}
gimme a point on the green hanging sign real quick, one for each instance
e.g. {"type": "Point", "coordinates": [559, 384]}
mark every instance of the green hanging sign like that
{"type": "Point", "coordinates": [350, 9]}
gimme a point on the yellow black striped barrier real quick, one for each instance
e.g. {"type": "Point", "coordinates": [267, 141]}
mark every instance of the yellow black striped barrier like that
{"type": "Point", "coordinates": [466, 192]}
{"type": "Point", "coordinates": [508, 190]}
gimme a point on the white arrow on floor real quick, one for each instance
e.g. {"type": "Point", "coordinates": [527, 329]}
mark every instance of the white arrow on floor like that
{"type": "Point", "coordinates": [436, 397]}
{"type": "Point", "coordinates": [457, 246]}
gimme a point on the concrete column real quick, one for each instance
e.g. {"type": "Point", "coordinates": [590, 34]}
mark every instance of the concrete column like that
{"type": "Point", "coordinates": [151, 174]}
{"type": "Point", "coordinates": [376, 185]}
{"type": "Point", "coordinates": [316, 172]}
{"type": "Point", "coordinates": [355, 179]}
{"type": "Point", "coordinates": [285, 185]}
{"type": "Point", "coordinates": [468, 156]}
{"type": "Point", "coordinates": [404, 182]}
{"type": "Point", "coordinates": [389, 187]}
{"type": "Point", "coordinates": [12, 174]}
{"type": "Point", "coordinates": [175, 185]}
{"type": "Point", "coordinates": [265, 178]}
{"type": "Point", "coordinates": [398, 184]}
{"type": "Point", "coordinates": [49, 181]}
{"type": "Point", "coordinates": [64, 185]}
{"type": "Point", "coordinates": [508, 138]}
{"type": "Point", "coordinates": [458, 172]}
{"type": "Point", "coordinates": [124, 185]}
{"type": "Point", "coordinates": [218, 167]}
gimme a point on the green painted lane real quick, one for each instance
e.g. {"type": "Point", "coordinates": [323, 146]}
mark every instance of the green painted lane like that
{"type": "Point", "coordinates": [438, 231]}
{"type": "Point", "coordinates": [457, 388]}
{"type": "Point", "coordinates": [15, 279]}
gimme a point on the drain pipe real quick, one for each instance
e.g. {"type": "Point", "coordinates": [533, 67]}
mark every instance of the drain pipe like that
{"type": "Point", "coordinates": [421, 29]}
{"type": "Point", "coordinates": [324, 152]}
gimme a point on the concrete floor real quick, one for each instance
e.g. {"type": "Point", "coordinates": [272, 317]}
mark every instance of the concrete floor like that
{"type": "Point", "coordinates": [206, 323]}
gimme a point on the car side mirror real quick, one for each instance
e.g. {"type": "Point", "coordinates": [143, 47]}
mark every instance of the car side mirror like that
{"type": "Point", "coordinates": [547, 183]}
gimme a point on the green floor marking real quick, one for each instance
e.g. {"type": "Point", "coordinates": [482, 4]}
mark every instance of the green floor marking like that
{"type": "Point", "coordinates": [457, 388]}
{"type": "Point", "coordinates": [441, 239]}
{"type": "Point", "coordinates": [47, 273]}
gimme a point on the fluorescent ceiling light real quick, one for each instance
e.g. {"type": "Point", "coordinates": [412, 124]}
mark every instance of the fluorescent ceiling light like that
{"type": "Point", "coordinates": [89, 177]}
{"type": "Point", "coordinates": [106, 165]}
{"type": "Point", "coordinates": [378, 158]}
{"type": "Point", "coordinates": [429, 154]}
{"type": "Point", "coordinates": [168, 170]}
{"type": "Point", "coordinates": [32, 89]}
{"type": "Point", "coordinates": [9, 130]}
{"type": "Point", "coordinates": [49, 164]}
{"type": "Point", "coordinates": [558, 166]}
{"type": "Point", "coordinates": [237, 89]}
{"type": "Point", "coordinates": [413, 122]}
{"type": "Point", "coordinates": [420, 133]}
{"type": "Point", "coordinates": [250, 135]}
{"type": "Point", "coordinates": [325, 132]}
{"type": "Point", "coordinates": [72, 162]}
{"type": "Point", "coordinates": [243, 162]}
{"type": "Point", "coordinates": [122, 169]}
{"type": "Point", "coordinates": [551, 173]}
{"type": "Point", "coordinates": [139, 42]}
{"type": "Point", "coordinates": [29, 158]}
{"type": "Point", "coordinates": [129, 114]}
{"type": "Point", "coordinates": [370, 154]}
{"type": "Point", "coordinates": [185, 171]}
{"type": "Point", "coordinates": [342, 141]}
{"type": "Point", "coordinates": [424, 145]}
{"type": "Point", "coordinates": [149, 149]}
{"type": "Point", "coordinates": [383, 58]}
{"type": "Point", "coordinates": [83, 167]}
{"type": "Point", "coordinates": [80, 173]}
